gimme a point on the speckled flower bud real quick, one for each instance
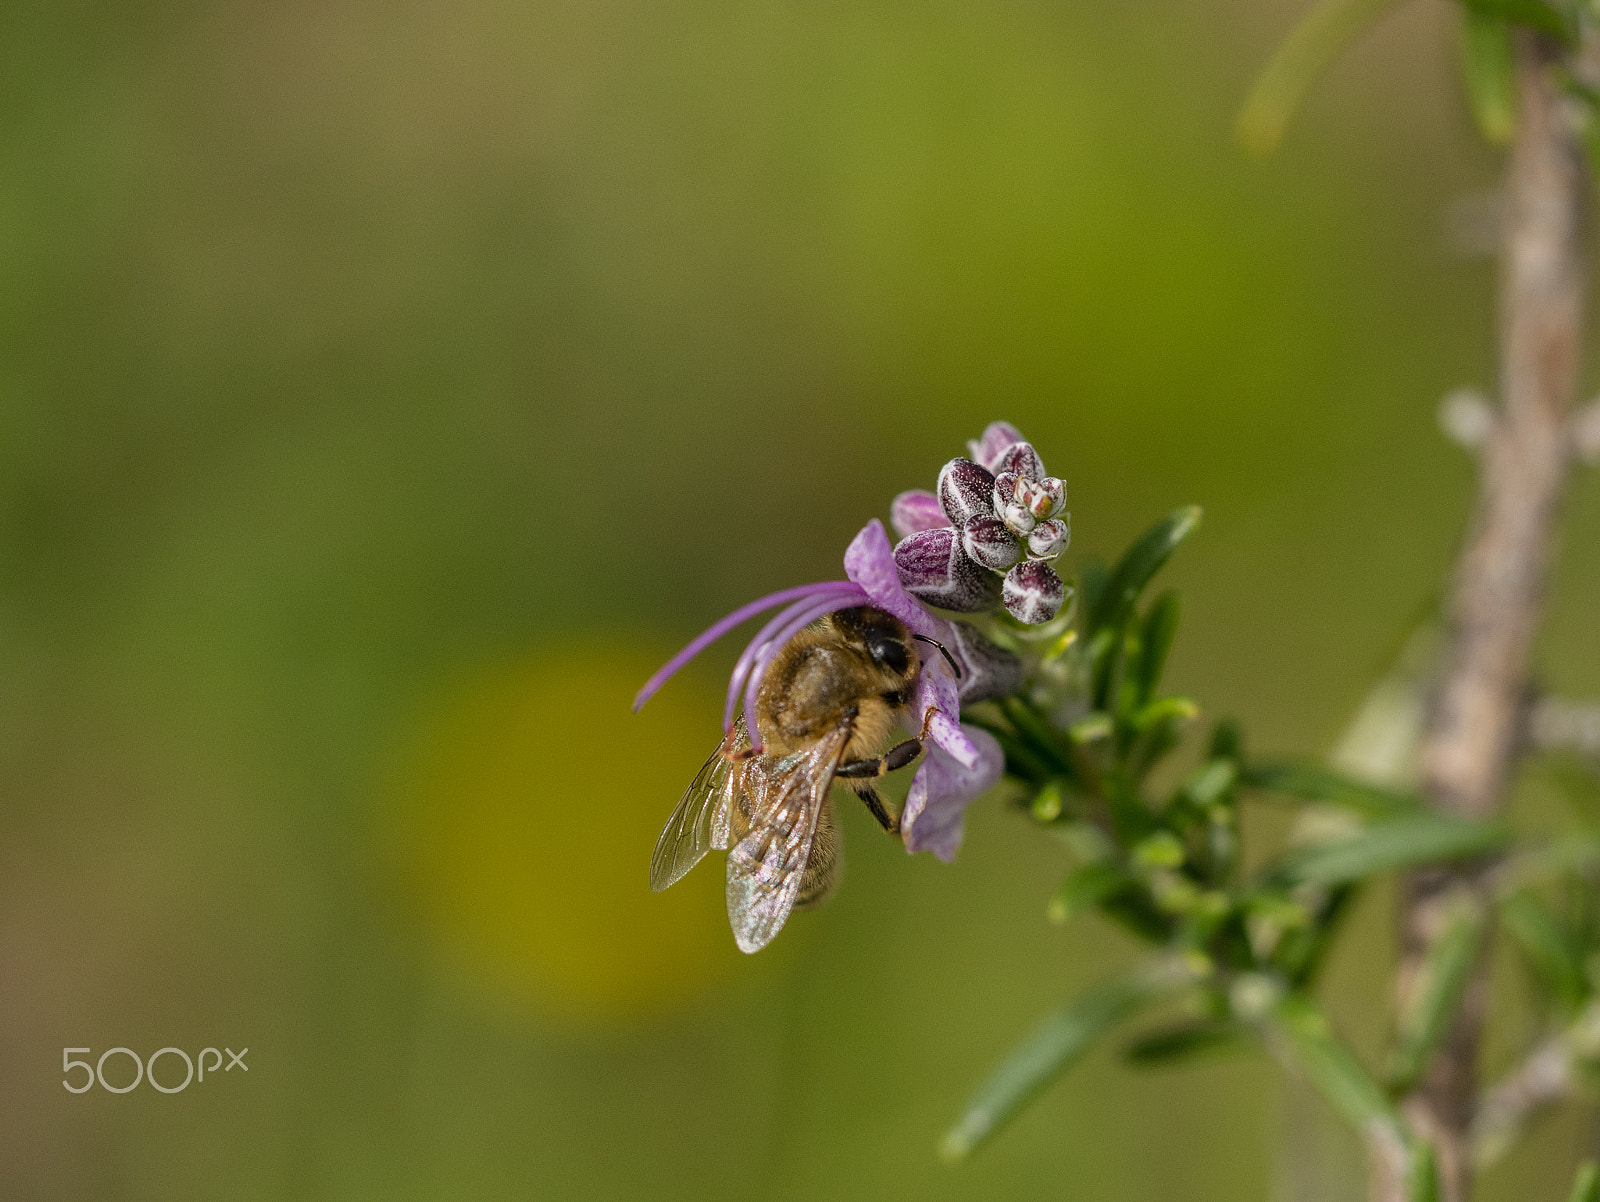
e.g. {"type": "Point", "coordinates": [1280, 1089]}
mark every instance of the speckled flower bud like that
{"type": "Point", "coordinates": [1033, 592]}
{"type": "Point", "coordinates": [934, 569]}
{"type": "Point", "coordinates": [1018, 518]}
{"type": "Point", "coordinates": [1021, 458]}
{"type": "Point", "coordinates": [965, 490]}
{"type": "Point", "coordinates": [1048, 539]}
{"type": "Point", "coordinates": [987, 540]}
{"type": "Point", "coordinates": [1006, 490]}
{"type": "Point", "coordinates": [1050, 497]}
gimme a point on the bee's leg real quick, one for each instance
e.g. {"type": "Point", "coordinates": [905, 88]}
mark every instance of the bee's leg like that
{"type": "Point", "coordinates": [889, 822]}
{"type": "Point", "coordinates": [896, 757]}
{"type": "Point", "coordinates": [856, 773]}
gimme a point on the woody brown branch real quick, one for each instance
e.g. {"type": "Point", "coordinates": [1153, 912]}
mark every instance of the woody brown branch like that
{"type": "Point", "coordinates": [1469, 743]}
{"type": "Point", "coordinates": [1543, 1077]}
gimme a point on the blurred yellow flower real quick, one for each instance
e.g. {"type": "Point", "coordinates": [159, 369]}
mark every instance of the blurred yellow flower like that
{"type": "Point", "coordinates": [528, 804]}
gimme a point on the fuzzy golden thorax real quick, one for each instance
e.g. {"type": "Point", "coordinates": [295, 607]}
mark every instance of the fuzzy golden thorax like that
{"type": "Point", "coordinates": [856, 665]}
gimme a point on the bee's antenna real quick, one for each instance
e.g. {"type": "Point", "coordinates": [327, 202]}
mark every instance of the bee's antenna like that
{"type": "Point", "coordinates": [948, 658]}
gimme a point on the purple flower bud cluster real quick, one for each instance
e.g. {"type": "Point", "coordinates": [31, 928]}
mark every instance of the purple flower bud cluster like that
{"type": "Point", "coordinates": [987, 534]}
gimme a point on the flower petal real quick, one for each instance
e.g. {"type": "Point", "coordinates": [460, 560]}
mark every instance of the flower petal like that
{"type": "Point", "coordinates": [1057, 492]}
{"type": "Point", "coordinates": [997, 436]}
{"type": "Point", "coordinates": [1019, 518]}
{"type": "Point", "coordinates": [936, 690]}
{"type": "Point", "coordinates": [717, 629]}
{"type": "Point", "coordinates": [935, 811]}
{"type": "Point", "coordinates": [933, 567]}
{"type": "Point", "coordinates": [1033, 592]}
{"type": "Point", "coordinates": [870, 562]}
{"type": "Point", "coordinates": [965, 490]}
{"type": "Point", "coordinates": [914, 510]}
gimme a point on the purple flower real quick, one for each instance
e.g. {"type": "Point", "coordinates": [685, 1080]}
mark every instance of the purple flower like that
{"type": "Point", "coordinates": [968, 761]}
{"type": "Point", "coordinates": [869, 561]}
{"type": "Point", "coordinates": [963, 762]}
{"type": "Point", "coordinates": [1001, 515]}
{"type": "Point", "coordinates": [936, 807]}
{"type": "Point", "coordinates": [807, 603]}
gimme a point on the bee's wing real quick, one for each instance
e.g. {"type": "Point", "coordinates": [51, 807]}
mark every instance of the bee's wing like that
{"type": "Point", "coordinates": [703, 817]}
{"type": "Point", "coordinates": [766, 867]}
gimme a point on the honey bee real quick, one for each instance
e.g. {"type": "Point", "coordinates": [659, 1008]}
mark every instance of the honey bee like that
{"type": "Point", "coordinates": [827, 702]}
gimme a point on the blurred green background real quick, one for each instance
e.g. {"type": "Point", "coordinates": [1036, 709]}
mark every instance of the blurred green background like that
{"type": "Point", "coordinates": [386, 389]}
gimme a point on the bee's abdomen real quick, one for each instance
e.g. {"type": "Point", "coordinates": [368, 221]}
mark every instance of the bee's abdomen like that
{"type": "Point", "coordinates": [824, 865]}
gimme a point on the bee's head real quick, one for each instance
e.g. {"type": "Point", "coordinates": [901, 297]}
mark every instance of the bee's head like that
{"type": "Point", "coordinates": [882, 638]}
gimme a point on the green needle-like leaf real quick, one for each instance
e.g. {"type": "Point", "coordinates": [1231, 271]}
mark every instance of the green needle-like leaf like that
{"type": "Point", "coordinates": [1549, 952]}
{"type": "Point", "coordinates": [1207, 783]}
{"type": "Point", "coordinates": [1586, 1185]}
{"type": "Point", "coordinates": [1054, 1046]}
{"type": "Point", "coordinates": [1092, 581]}
{"type": "Point", "coordinates": [1020, 761]}
{"type": "Point", "coordinates": [1155, 731]}
{"type": "Point", "coordinates": [1402, 842]}
{"type": "Point", "coordinates": [1486, 67]}
{"type": "Point", "coordinates": [1136, 568]}
{"type": "Point", "coordinates": [1047, 802]}
{"type": "Point", "coordinates": [1301, 1036]}
{"type": "Point", "coordinates": [1090, 728]}
{"type": "Point", "coordinates": [1163, 708]}
{"type": "Point", "coordinates": [1311, 782]}
{"type": "Point", "coordinates": [1304, 54]}
{"type": "Point", "coordinates": [1086, 887]}
{"type": "Point", "coordinates": [1435, 993]}
{"type": "Point", "coordinates": [1535, 14]}
{"type": "Point", "coordinates": [1160, 625]}
{"type": "Point", "coordinates": [1166, 1045]}
{"type": "Point", "coordinates": [1034, 731]}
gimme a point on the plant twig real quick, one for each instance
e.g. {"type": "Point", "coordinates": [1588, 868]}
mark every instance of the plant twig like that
{"type": "Point", "coordinates": [1550, 1073]}
{"type": "Point", "coordinates": [1542, 1077]}
{"type": "Point", "coordinates": [1469, 741]}
{"type": "Point", "coordinates": [1557, 725]}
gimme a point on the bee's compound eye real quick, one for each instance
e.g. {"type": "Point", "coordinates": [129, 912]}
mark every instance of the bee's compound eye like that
{"type": "Point", "coordinates": [891, 653]}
